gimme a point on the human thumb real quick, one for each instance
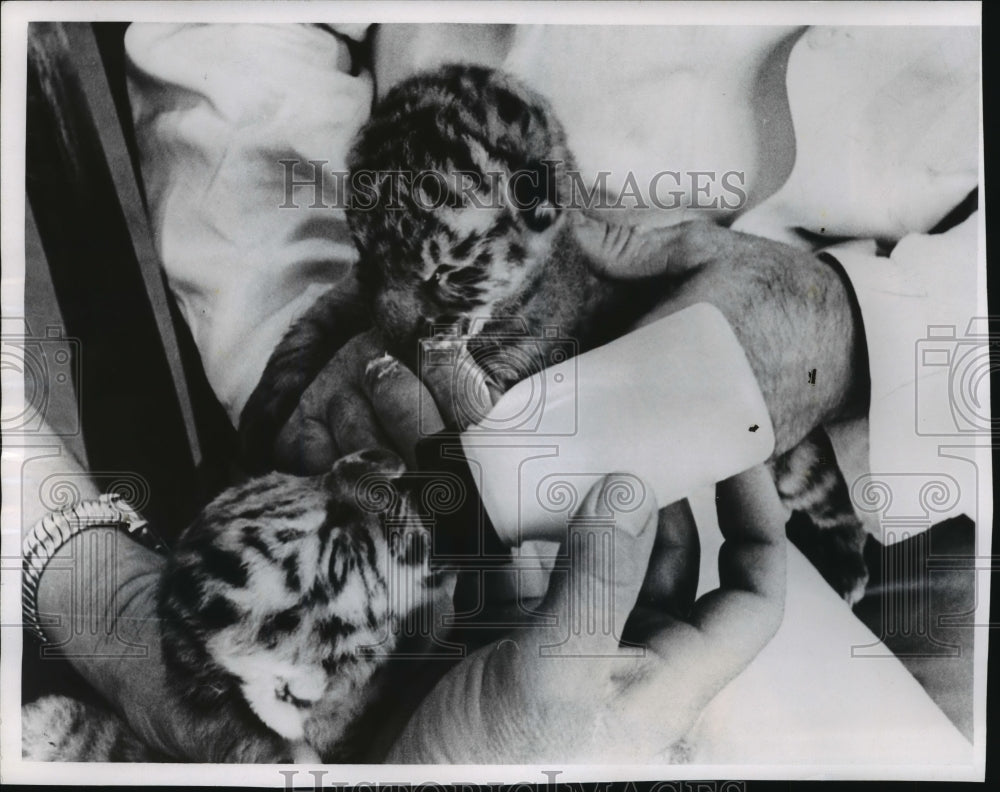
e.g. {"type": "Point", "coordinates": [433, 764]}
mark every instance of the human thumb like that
{"type": "Point", "coordinates": [606, 553]}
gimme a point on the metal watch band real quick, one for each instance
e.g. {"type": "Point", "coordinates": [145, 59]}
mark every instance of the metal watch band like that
{"type": "Point", "coordinates": [57, 528]}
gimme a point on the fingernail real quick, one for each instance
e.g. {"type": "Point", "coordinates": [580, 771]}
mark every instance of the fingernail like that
{"type": "Point", "coordinates": [380, 367]}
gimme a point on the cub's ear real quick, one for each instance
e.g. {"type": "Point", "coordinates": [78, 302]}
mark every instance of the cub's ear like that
{"type": "Point", "coordinates": [365, 482]}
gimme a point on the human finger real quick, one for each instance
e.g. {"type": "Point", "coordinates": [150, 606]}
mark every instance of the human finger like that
{"type": "Point", "coordinates": [737, 619]}
{"type": "Point", "coordinates": [333, 417]}
{"type": "Point", "coordinates": [403, 406]}
{"type": "Point", "coordinates": [265, 749]}
{"type": "Point", "coordinates": [460, 388]}
{"type": "Point", "coordinates": [320, 432]}
{"type": "Point", "coordinates": [672, 577]}
{"type": "Point", "coordinates": [304, 445]}
{"type": "Point", "coordinates": [354, 422]}
{"type": "Point", "coordinates": [224, 736]}
{"type": "Point", "coordinates": [608, 549]}
{"type": "Point", "coordinates": [752, 520]}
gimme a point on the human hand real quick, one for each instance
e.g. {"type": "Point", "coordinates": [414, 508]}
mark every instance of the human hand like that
{"type": "Point", "coordinates": [365, 398]}
{"type": "Point", "coordinates": [791, 312]}
{"type": "Point", "coordinates": [554, 693]}
{"type": "Point", "coordinates": [337, 414]}
{"type": "Point", "coordinates": [115, 645]}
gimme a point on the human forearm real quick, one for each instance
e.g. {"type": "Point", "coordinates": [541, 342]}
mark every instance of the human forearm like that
{"type": "Point", "coordinates": [87, 589]}
{"type": "Point", "coordinates": [90, 579]}
{"type": "Point", "coordinates": [97, 604]}
{"type": "Point", "coordinates": [791, 311]}
{"type": "Point", "coordinates": [817, 351]}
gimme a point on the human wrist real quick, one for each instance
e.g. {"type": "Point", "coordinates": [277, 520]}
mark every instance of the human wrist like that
{"type": "Point", "coordinates": [88, 585]}
{"type": "Point", "coordinates": [855, 394]}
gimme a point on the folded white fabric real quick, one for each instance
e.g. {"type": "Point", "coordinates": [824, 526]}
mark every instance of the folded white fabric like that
{"type": "Point", "coordinates": [825, 692]}
{"type": "Point", "coordinates": [886, 131]}
{"type": "Point", "coordinates": [217, 108]}
{"type": "Point", "coordinates": [641, 101]}
{"type": "Point", "coordinates": [886, 134]}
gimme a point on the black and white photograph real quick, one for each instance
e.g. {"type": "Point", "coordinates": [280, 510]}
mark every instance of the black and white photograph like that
{"type": "Point", "coordinates": [494, 393]}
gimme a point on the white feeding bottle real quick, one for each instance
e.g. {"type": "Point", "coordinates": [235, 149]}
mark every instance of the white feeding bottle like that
{"type": "Point", "coordinates": [674, 402]}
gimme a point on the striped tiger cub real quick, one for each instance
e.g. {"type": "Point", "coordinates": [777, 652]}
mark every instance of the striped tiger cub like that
{"type": "Point", "coordinates": [284, 602]}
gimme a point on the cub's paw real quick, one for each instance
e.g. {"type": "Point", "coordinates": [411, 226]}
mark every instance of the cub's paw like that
{"type": "Point", "coordinates": [61, 729]}
{"type": "Point", "coordinates": [837, 553]}
{"type": "Point", "coordinates": [337, 315]}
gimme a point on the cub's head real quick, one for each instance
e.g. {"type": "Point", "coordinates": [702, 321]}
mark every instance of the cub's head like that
{"type": "Point", "coordinates": [458, 187]}
{"type": "Point", "coordinates": [286, 595]}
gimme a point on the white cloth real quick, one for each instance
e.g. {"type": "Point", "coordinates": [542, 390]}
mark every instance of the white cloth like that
{"type": "Point", "coordinates": [217, 108]}
{"type": "Point", "coordinates": [929, 398]}
{"type": "Point", "coordinates": [884, 146]}
{"type": "Point", "coordinates": [886, 130]}
{"type": "Point", "coordinates": [883, 151]}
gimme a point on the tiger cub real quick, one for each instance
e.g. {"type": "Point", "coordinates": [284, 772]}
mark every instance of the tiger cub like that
{"type": "Point", "coordinates": [435, 254]}
{"type": "Point", "coordinates": [284, 603]}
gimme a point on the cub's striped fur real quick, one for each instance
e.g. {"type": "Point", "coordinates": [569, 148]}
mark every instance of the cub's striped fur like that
{"type": "Point", "coordinates": [480, 230]}
{"type": "Point", "coordinates": [282, 603]}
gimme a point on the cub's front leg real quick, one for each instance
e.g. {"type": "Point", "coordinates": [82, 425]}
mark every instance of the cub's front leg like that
{"type": "Point", "coordinates": [337, 315]}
